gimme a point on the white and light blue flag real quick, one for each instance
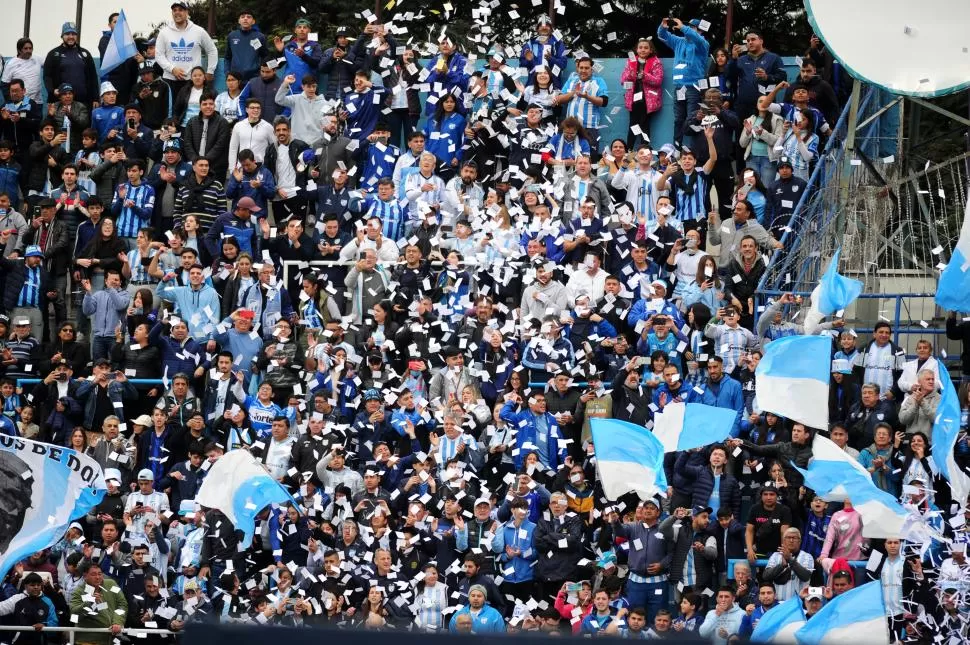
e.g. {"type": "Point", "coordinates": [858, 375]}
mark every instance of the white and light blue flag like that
{"type": "Point", "coordinates": [953, 288]}
{"type": "Point", "coordinates": [683, 426]}
{"type": "Point", "coordinates": [836, 292]}
{"type": "Point", "coordinates": [241, 487]}
{"type": "Point", "coordinates": [856, 616]}
{"type": "Point", "coordinates": [121, 46]}
{"type": "Point", "coordinates": [628, 457]}
{"type": "Point", "coordinates": [834, 477]}
{"type": "Point", "coordinates": [946, 428]}
{"type": "Point", "coordinates": [779, 624]}
{"type": "Point", "coordinates": [792, 379]}
{"type": "Point", "coordinates": [43, 488]}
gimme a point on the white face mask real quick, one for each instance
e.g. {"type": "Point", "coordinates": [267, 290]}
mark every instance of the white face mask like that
{"type": "Point", "coordinates": [520, 513]}
{"type": "Point", "coordinates": [575, 478]}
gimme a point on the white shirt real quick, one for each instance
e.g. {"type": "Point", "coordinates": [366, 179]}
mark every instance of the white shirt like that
{"type": "Point", "coordinates": [594, 285]}
{"type": "Point", "coordinates": [278, 456]}
{"type": "Point", "coordinates": [908, 378]}
{"type": "Point", "coordinates": [285, 172]}
{"type": "Point", "coordinates": [258, 138]}
{"type": "Point", "coordinates": [29, 71]}
{"type": "Point", "coordinates": [686, 269]}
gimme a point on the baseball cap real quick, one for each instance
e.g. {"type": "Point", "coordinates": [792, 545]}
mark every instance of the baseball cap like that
{"type": "Point", "coordinates": [483, 500]}
{"type": "Point", "coordinates": [180, 3]}
{"type": "Point", "coordinates": [342, 31]}
{"type": "Point", "coordinates": [249, 204]}
{"type": "Point", "coordinates": [146, 66]}
{"type": "Point", "coordinates": [784, 161]}
{"type": "Point", "coordinates": [65, 87]}
{"type": "Point", "coordinates": [700, 508]}
{"type": "Point", "coordinates": [143, 420]}
{"type": "Point", "coordinates": [112, 474]}
{"type": "Point", "coordinates": [302, 22]}
{"type": "Point", "coordinates": [247, 314]}
{"type": "Point", "coordinates": [68, 28]}
{"type": "Point", "coordinates": [172, 144]}
{"type": "Point", "coordinates": [769, 487]}
{"type": "Point", "coordinates": [650, 500]}
{"type": "Point", "coordinates": [815, 595]}
{"type": "Point", "coordinates": [33, 251]}
{"type": "Point", "coordinates": [146, 474]}
{"type": "Point", "coordinates": [102, 361]}
{"type": "Point", "coordinates": [187, 506]}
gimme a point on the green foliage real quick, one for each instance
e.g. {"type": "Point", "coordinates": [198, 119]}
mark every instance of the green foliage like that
{"type": "Point", "coordinates": [477, 25]}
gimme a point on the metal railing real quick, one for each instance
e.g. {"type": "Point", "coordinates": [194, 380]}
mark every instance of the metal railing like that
{"type": "Point", "coordinates": [134, 381]}
{"type": "Point", "coordinates": [855, 564]}
{"type": "Point", "coordinates": [72, 632]}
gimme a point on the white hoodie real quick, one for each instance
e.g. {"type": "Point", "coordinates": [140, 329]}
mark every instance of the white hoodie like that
{"type": "Point", "coordinates": [183, 48]}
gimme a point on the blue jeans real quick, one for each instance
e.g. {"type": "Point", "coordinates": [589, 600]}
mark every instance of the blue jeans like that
{"type": "Point", "coordinates": [645, 595]}
{"type": "Point", "coordinates": [764, 167]}
{"type": "Point", "coordinates": [683, 108]}
{"type": "Point", "coordinates": [101, 346]}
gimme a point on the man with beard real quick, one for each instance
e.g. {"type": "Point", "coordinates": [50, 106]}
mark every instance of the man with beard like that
{"type": "Point", "coordinates": [71, 64]}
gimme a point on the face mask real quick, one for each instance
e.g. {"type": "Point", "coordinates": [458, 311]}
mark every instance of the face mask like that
{"type": "Point", "coordinates": [691, 243]}
{"type": "Point", "coordinates": [575, 478]}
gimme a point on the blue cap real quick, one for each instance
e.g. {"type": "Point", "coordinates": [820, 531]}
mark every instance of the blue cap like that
{"type": "Point", "coordinates": [372, 395]}
{"type": "Point", "coordinates": [172, 144]}
{"type": "Point", "coordinates": [68, 28]}
{"type": "Point", "coordinates": [34, 251]}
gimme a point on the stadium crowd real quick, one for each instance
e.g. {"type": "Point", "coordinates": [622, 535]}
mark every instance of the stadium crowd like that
{"type": "Point", "coordinates": [407, 289]}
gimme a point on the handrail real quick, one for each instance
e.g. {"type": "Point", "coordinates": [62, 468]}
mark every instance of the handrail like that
{"type": "Point", "coordinates": [133, 381]}
{"type": "Point", "coordinates": [855, 564]}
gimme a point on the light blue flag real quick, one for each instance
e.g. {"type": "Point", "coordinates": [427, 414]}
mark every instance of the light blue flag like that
{"type": "Point", "coordinates": [793, 379]}
{"type": "Point", "coordinates": [882, 514]}
{"type": "Point", "coordinates": [241, 487]}
{"type": "Point", "coordinates": [856, 616]}
{"type": "Point", "coordinates": [629, 458]}
{"type": "Point", "coordinates": [685, 426]}
{"type": "Point", "coordinates": [946, 428]}
{"type": "Point", "coordinates": [43, 488]}
{"type": "Point", "coordinates": [953, 288]}
{"type": "Point", "coordinates": [121, 46]}
{"type": "Point", "coordinates": [780, 623]}
{"type": "Point", "coordinates": [836, 292]}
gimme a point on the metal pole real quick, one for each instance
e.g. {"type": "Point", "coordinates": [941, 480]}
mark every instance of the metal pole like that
{"type": "Point", "coordinates": [729, 25]}
{"type": "Point", "coordinates": [552, 13]}
{"type": "Point", "coordinates": [847, 157]}
{"type": "Point", "coordinates": [377, 10]}
{"type": "Point", "coordinates": [27, 10]}
{"type": "Point", "coordinates": [212, 16]}
{"type": "Point", "coordinates": [77, 20]}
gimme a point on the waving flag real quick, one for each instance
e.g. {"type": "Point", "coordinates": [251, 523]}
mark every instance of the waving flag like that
{"type": "Point", "coordinates": [827, 457]}
{"type": "Point", "coordinates": [120, 47]}
{"type": "Point", "coordinates": [946, 427]}
{"type": "Point", "coordinates": [241, 487]}
{"type": "Point", "coordinates": [780, 623]}
{"type": "Point", "coordinates": [684, 426]}
{"type": "Point", "coordinates": [836, 292]}
{"type": "Point", "coordinates": [832, 475]}
{"type": "Point", "coordinates": [793, 379]}
{"type": "Point", "coordinates": [43, 488]}
{"type": "Point", "coordinates": [953, 289]}
{"type": "Point", "coordinates": [857, 616]}
{"type": "Point", "coordinates": [628, 457]}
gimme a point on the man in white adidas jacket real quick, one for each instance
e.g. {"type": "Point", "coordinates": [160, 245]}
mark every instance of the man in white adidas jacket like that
{"type": "Point", "coordinates": [179, 48]}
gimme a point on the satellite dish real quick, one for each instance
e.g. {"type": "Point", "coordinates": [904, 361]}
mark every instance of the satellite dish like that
{"type": "Point", "coordinates": [912, 48]}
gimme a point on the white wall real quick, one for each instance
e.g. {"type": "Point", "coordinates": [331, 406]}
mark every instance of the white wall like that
{"type": "Point", "coordinates": [47, 16]}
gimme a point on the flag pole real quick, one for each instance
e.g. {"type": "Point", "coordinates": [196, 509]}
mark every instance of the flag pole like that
{"type": "Point", "coordinates": [77, 20]}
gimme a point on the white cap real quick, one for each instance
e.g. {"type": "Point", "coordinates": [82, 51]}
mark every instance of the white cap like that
{"type": "Point", "coordinates": [146, 474]}
{"type": "Point", "coordinates": [112, 474]}
{"type": "Point", "coordinates": [107, 87]}
{"type": "Point", "coordinates": [483, 500]}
